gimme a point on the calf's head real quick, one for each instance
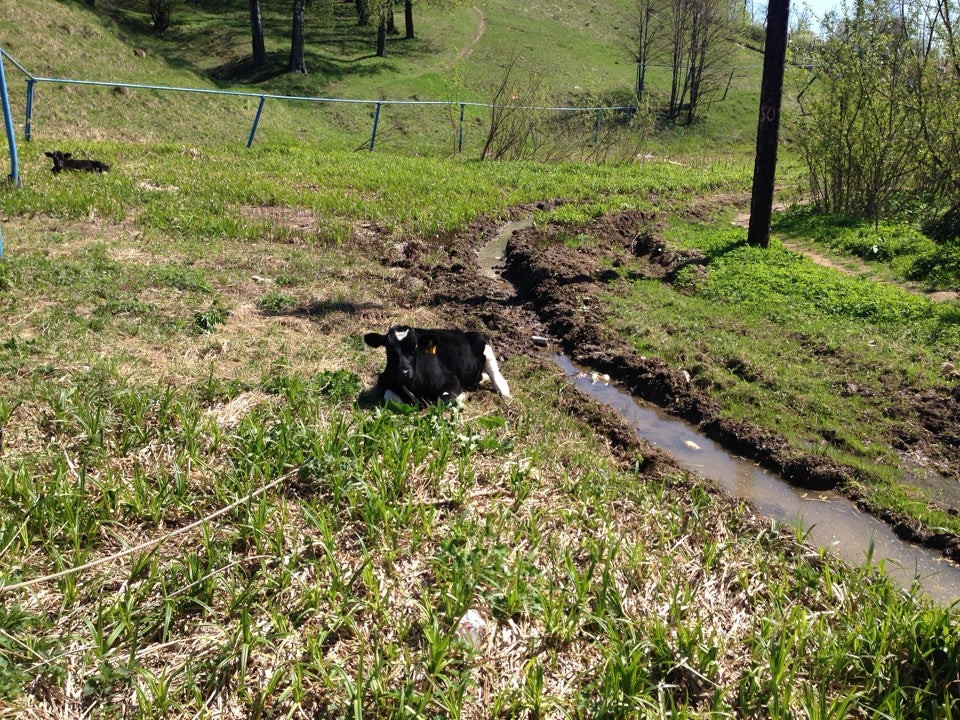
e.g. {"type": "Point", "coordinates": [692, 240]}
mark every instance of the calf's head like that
{"type": "Point", "coordinates": [58, 158]}
{"type": "Point", "coordinates": [403, 347]}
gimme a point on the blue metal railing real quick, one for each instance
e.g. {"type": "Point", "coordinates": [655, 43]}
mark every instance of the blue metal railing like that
{"type": "Point", "coordinates": [11, 138]}
{"type": "Point", "coordinates": [32, 81]}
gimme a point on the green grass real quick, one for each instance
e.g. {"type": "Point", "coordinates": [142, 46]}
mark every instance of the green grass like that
{"type": "Point", "coordinates": [181, 369]}
{"type": "Point", "coordinates": [387, 528]}
{"type": "Point", "coordinates": [815, 354]}
{"type": "Point", "coordinates": [213, 519]}
{"type": "Point", "coordinates": [459, 55]}
{"type": "Point", "coordinates": [898, 249]}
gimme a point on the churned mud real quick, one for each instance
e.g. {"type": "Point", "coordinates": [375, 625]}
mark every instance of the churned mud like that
{"type": "Point", "coordinates": [554, 291]}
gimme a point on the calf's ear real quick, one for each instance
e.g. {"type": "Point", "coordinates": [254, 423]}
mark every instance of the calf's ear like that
{"type": "Point", "coordinates": [375, 339]}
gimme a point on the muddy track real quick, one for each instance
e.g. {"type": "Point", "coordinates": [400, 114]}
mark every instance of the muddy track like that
{"type": "Point", "coordinates": [555, 292]}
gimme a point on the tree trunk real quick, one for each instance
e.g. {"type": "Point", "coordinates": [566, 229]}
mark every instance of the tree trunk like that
{"type": "Point", "coordinates": [644, 39]}
{"type": "Point", "coordinates": [382, 36]}
{"type": "Point", "coordinates": [768, 130]}
{"type": "Point", "coordinates": [363, 12]}
{"type": "Point", "coordinates": [408, 18]}
{"type": "Point", "coordinates": [256, 30]}
{"type": "Point", "coordinates": [391, 21]}
{"type": "Point", "coordinates": [297, 62]}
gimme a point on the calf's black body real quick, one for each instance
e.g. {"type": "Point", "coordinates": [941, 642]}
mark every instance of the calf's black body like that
{"type": "Point", "coordinates": [66, 161]}
{"type": "Point", "coordinates": [425, 365]}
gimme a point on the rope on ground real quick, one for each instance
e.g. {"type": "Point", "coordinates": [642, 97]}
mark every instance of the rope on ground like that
{"type": "Point", "coordinates": [150, 543]}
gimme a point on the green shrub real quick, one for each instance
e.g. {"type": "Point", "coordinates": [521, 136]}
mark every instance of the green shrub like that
{"type": "Point", "coordinates": [885, 242]}
{"type": "Point", "coordinates": [275, 302]}
{"type": "Point", "coordinates": [939, 268]}
{"type": "Point", "coordinates": [206, 320]}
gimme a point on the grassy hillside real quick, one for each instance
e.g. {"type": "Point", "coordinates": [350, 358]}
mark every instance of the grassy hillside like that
{"type": "Point", "coordinates": [574, 55]}
{"type": "Point", "coordinates": [202, 513]}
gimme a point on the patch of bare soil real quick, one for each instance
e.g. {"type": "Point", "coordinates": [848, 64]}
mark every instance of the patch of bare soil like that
{"type": "Point", "coordinates": [554, 291]}
{"type": "Point", "coordinates": [468, 48]}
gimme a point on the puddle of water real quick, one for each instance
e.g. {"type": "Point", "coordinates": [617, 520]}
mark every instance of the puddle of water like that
{"type": "Point", "coordinates": [830, 520]}
{"type": "Point", "coordinates": [490, 257]}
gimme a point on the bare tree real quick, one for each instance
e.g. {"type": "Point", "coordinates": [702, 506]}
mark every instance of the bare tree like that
{"type": "Point", "coordinates": [643, 45]}
{"type": "Point", "coordinates": [161, 14]}
{"type": "Point", "coordinates": [363, 12]}
{"type": "Point", "coordinates": [677, 36]}
{"type": "Point", "coordinates": [408, 18]}
{"type": "Point", "coordinates": [694, 36]}
{"type": "Point", "coordinates": [511, 129]}
{"type": "Point", "coordinates": [391, 18]}
{"type": "Point", "coordinates": [382, 13]}
{"type": "Point", "coordinates": [710, 25]}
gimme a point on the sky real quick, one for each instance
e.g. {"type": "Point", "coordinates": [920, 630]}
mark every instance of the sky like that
{"type": "Point", "coordinates": [818, 7]}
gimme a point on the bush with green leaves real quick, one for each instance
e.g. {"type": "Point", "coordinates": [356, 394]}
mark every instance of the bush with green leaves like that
{"type": "Point", "coordinates": [911, 254]}
{"type": "Point", "coordinates": [940, 267]}
{"type": "Point", "coordinates": [207, 320]}
{"type": "Point", "coordinates": [275, 302]}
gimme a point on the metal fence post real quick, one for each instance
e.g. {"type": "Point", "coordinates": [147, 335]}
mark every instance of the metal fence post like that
{"type": "Point", "coordinates": [460, 134]}
{"type": "Point", "coordinates": [596, 129]}
{"type": "Point", "coordinates": [11, 140]}
{"type": "Point", "coordinates": [8, 122]}
{"type": "Point", "coordinates": [256, 121]}
{"type": "Point", "coordinates": [29, 114]}
{"type": "Point", "coordinates": [376, 121]}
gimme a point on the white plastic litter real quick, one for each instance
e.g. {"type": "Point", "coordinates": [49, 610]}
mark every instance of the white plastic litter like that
{"type": "Point", "coordinates": [472, 628]}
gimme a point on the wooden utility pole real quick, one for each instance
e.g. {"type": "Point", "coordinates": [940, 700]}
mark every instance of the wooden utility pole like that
{"type": "Point", "coordinates": [768, 128]}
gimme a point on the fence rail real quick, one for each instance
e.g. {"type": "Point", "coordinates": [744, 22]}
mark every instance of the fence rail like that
{"type": "Point", "coordinates": [33, 80]}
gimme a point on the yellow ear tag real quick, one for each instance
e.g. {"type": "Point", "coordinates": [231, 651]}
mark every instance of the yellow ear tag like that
{"type": "Point", "coordinates": [432, 349]}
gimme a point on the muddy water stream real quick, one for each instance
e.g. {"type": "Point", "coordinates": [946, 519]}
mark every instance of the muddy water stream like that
{"type": "Point", "coordinates": [830, 520]}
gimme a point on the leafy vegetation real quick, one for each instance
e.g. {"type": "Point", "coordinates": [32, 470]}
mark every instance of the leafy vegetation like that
{"type": "Point", "coordinates": [904, 250]}
{"type": "Point", "coordinates": [880, 119]}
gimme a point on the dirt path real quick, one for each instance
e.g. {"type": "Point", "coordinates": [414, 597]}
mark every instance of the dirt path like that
{"type": "Point", "coordinates": [468, 48]}
{"type": "Point", "coordinates": [850, 266]}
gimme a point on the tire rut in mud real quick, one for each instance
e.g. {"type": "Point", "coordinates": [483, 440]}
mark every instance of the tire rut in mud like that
{"type": "Point", "coordinates": [555, 291]}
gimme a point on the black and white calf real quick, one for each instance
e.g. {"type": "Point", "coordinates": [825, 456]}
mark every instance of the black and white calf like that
{"type": "Point", "coordinates": [66, 161]}
{"type": "Point", "coordinates": [424, 366]}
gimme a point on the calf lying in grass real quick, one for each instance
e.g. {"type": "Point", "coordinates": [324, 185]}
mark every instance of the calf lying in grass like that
{"type": "Point", "coordinates": [424, 366]}
{"type": "Point", "coordinates": [66, 161]}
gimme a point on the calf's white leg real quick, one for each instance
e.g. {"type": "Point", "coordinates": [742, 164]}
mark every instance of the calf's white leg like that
{"type": "Point", "coordinates": [492, 370]}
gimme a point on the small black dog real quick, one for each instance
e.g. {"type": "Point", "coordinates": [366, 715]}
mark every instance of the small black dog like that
{"type": "Point", "coordinates": [66, 161]}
